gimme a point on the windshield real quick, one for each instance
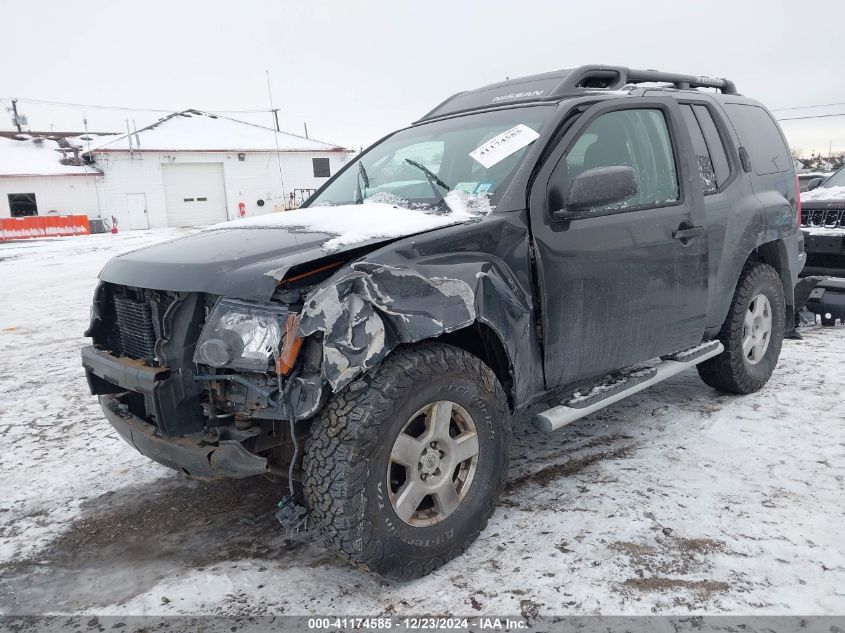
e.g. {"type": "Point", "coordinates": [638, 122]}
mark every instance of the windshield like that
{"type": "Point", "coordinates": [836, 180]}
{"type": "Point", "coordinates": [426, 166]}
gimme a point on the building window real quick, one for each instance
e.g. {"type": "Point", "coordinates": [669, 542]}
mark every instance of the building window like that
{"type": "Point", "coordinates": [321, 167]}
{"type": "Point", "coordinates": [22, 205]}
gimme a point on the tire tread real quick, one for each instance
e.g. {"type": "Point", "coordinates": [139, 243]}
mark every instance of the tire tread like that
{"type": "Point", "coordinates": [347, 431]}
{"type": "Point", "coordinates": [727, 372]}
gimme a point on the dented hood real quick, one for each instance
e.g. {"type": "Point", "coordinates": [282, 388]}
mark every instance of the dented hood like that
{"type": "Point", "coordinates": [246, 258]}
{"type": "Point", "coordinates": [232, 263]}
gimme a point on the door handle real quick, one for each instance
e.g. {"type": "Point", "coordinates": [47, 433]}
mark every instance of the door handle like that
{"type": "Point", "coordinates": [688, 233]}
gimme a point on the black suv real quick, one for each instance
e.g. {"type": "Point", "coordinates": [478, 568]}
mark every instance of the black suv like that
{"type": "Point", "coordinates": [823, 224]}
{"type": "Point", "coordinates": [561, 240]}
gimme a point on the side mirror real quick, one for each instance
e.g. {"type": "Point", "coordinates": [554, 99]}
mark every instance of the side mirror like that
{"type": "Point", "coordinates": [598, 187]}
{"type": "Point", "coordinates": [815, 182]}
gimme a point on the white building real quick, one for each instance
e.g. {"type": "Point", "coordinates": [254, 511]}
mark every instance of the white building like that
{"type": "Point", "coordinates": [190, 168]}
{"type": "Point", "coordinates": [194, 168]}
{"type": "Point", "coordinates": [39, 176]}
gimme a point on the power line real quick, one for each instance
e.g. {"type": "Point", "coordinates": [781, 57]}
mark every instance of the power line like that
{"type": "Point", "coordinates": [68, 104]}
{"type": "Point", "coordinates": [813, 116]}
{"type": "Point", "coordinates": [125, 109]}
{"type": "Point", "coordinates": [820, 105]}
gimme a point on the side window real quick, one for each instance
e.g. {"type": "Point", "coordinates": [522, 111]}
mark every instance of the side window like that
{"type": "Point", "coordinates": [761, 137]}
{"type": "Point", "coordinates": [721, 166]}
{"type": "Point", "coordinates": [575, 158]}
{"type": "Point", "coordinates": [706, 173]}
{"type": "Point", "coordinates": [636, 138]}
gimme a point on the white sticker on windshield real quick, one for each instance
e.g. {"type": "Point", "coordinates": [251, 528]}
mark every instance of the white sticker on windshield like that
{"type": "Point", "coordinates": [466, 187]}
{"type": "Point", "coordinates": [500, 147]}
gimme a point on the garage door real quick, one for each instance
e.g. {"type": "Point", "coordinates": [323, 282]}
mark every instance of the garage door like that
{"type": "Point", "coordinates": [194, 194]}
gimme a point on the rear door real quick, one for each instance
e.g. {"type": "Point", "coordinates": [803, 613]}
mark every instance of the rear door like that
{"type": "Point", "coordinates": [627, 282]}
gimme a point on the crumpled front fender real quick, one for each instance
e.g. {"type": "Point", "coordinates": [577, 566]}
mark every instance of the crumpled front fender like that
{"type": "Point", "coordinates": [369, 308]}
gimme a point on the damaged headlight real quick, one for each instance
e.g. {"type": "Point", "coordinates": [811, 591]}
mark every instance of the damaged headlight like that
{"type": "Point", "coordinates": [243, 335]}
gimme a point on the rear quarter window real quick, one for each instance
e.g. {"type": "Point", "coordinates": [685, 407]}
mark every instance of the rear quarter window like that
{"type": "Point", "coordinates": [715, 144]}
{"type": "Point", "coordinates": [761, 138]}
{"type": "Point", "coordinates": [706, 172]}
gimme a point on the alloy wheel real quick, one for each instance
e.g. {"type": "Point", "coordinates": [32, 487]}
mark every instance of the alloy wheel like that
{"type": "Point", "coordinates": [432, 463]}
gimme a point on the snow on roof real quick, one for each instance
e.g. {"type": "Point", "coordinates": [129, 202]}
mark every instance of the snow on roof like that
{"type": "Point", "coordinates": [192, 130]}
{"type": "Point", "coordinates": [28, 156]}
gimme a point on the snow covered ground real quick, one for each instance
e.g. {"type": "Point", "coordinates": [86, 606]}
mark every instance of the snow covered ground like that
{"type": "Point", "coordinates": [677, 500]}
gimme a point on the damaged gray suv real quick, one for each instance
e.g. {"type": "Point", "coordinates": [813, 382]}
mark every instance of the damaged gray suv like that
{"type": "Point", "coordinates": [559, 242]}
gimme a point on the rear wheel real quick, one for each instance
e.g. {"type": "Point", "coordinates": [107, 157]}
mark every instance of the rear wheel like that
{"type": "Point", "coordinates": [752, 333]}
{"type": "Point", "coordinates": [404, 468]}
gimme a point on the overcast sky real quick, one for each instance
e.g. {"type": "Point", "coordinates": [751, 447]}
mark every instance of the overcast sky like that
{"type": "Point", "coordinates": [357, 69]}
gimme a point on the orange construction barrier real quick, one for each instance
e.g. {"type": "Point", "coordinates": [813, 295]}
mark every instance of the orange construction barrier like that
{"type": "Point", "coordinates": [43, 226]}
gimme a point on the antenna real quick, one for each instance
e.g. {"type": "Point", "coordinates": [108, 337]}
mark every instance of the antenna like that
{"type": "Point", "coordinates": [137, 138]}
{"type": "Point", "coordinates": [276, 136]}
{"type": "Point", "coordinates": [129, 138]}
{"type": "Point", "coordinates": [96, 188]}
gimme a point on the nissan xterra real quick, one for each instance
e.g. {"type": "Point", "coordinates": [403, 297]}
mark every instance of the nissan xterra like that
{"type": "Point", "coordinates": [559, 241]}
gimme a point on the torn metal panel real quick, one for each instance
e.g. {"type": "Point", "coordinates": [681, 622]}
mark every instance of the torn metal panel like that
{"type": "Point", "coordinates": [427, 286]}
{"type": "Point", "coordinates": [371, 308]}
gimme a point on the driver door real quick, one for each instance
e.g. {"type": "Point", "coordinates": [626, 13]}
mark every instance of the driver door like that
{"type": "Point", "coordinates": [626, 282]}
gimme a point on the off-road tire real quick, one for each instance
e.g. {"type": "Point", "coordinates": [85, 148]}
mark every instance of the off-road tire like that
{"type": "Point", "coordinates": [730, 371]}
{"type": "Point", "coordinates": [346, 457]}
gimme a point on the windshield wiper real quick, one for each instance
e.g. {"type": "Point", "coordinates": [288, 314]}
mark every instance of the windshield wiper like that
{"type": "Point", "coordinates": [362, 177]}
{"type": "Point", "coordinates": [432, 178]}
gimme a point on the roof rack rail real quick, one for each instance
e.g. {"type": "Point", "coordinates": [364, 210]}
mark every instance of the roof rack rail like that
{"type": "Point", "coordinates": [616, 77]}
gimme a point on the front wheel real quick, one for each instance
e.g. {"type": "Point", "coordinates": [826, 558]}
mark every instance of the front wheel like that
{"type": "Point", "coordinates": [752, 333]}
{"type": "Point", "coordinates": [403, 469]}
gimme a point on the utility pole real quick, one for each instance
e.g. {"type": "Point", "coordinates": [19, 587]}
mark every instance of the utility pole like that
{"type": "Point", "coordinates": [306, 128]}
{"type": "Point", "coordinates": [276, 114]}
{"type": "Point", "coordinates": [15, 111]}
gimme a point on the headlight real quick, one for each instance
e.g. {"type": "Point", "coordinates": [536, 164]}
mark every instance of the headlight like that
{"type": "Point", "coordinates": [242, 335]}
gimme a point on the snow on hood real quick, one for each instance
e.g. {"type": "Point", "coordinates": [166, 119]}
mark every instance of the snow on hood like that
{"type": "Point", "coordinates": [823, 193]}
{"type": "Point", "coordinates": [357, 223]}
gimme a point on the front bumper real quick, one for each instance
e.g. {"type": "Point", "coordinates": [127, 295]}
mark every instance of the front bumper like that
{"type": "Point", "coordinates": [825, 253]}
{"type": "Point", "coordinates": [828, 300]}
{"type": "Point", "coordinates": [202, 455]}
{"type": "Point", "coordinates": [173, 396]}
{"type": "Point", "coordinates": [104, 372]}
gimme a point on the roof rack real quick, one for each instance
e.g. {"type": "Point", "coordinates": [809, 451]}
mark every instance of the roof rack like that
{"type": "Point", "coordinates": [616, 77]}
{"type": "Point", "coordinates": [567, 82]}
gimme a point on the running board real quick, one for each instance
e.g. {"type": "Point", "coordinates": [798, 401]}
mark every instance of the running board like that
{"type": "Point", "coordinates": [615, 388]}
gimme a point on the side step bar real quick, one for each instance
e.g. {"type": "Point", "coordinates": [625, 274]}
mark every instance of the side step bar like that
{"type": "Point", "coordinates": [615, 389]}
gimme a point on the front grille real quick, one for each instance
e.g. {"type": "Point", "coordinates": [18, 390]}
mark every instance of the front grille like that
{"type": "Point", "coordinates": [824, 218]}
{"type": "Point", "coordinates": [136, 334]}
